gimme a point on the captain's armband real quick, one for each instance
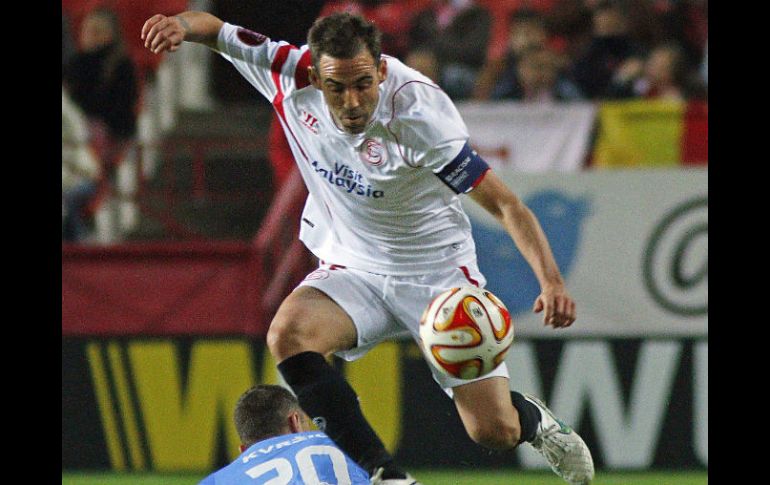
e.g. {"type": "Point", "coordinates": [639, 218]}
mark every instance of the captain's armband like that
{"type": "Point", "coordinates": [465, 171]}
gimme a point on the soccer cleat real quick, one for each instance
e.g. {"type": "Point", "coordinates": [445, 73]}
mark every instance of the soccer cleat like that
{"type": "Point", "coordinates": [378, 480]}
{"type": "Point", "coordinates": [562, 447]}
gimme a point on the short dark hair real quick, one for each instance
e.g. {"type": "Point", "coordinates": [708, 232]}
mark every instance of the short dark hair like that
{"type": "Point", "coordinates": [342, 36]}
{"type": "Point", "coordinates": [261, 412]}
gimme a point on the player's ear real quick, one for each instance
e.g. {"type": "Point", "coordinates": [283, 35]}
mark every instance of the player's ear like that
{"type": "Point", "coordinates": [243, 448]}
{"type": "Point", "coordinates": [383, 69]}
{"type": "Point", "coordinates": [295, 422]}
{"type": "Point", "coordinates": [312, 76]}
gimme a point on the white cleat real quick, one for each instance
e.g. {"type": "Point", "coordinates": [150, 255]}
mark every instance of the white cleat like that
{"type": "Point", "coordinates": [562, 447]}
{"type": "Point", "coordinates": [378, 480]}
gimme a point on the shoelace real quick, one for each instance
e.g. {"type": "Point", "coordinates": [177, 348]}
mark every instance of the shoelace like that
{"type": "Point", "coordinates": [551, 446]}
{"type": "Point", "coordinates": [554, 449]}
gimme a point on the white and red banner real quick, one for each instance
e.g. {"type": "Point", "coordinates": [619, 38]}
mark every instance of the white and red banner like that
{"type": "Point", "coordinates": [530, 137]}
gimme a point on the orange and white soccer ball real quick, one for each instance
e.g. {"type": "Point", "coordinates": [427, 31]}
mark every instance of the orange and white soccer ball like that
{"type": "Point", "coordinates": [466, 332]}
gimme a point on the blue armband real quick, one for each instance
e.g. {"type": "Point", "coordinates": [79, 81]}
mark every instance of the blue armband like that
{"type": "Point", "coordinates": [464, 172]}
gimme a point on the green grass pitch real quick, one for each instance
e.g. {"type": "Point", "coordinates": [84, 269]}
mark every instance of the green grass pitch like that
{"type": "Point", "coordinates": [444, 477]}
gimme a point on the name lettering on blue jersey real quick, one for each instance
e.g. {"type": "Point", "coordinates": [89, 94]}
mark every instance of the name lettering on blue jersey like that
{"type": "Point", "coordinates": [348, 179]}
{"type": "Point", "coordinates": [305, 458]}
{"type": "Point", "coordinates": [266, 451]}
{"type": "Point", "coordinates": [465, 171]}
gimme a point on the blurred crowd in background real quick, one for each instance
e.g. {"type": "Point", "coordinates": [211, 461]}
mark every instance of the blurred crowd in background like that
{"type": "Point", "coordinates": [533, 51]}
{"type": "Point", "coordinates": [537, 50]}
{"type": "Point", "coordinates": [99, 112]}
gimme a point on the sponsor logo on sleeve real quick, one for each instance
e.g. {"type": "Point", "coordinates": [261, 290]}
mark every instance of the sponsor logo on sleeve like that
{"type": "Point", "coordinates": [250, 38]}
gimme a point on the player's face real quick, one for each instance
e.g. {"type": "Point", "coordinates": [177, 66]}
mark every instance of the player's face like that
{"type": "Point", "coordinates": [350, 88]}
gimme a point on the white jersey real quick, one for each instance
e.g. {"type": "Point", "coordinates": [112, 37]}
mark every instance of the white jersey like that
{"type": "Point", "coordinates": [384, 201]}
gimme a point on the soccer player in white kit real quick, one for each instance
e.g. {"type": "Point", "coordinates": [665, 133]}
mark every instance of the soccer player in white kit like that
{"type": "Point", "coordinates": [384, 154]}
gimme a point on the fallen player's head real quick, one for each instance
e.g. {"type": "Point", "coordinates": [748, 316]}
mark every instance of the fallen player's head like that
{"type": "Point", "coordinates": [265, 411]}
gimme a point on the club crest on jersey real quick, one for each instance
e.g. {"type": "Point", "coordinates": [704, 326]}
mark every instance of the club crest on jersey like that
{"type": "Point", "coordinates": [373, 153]}
{"type": "Point", "coordinates": [250, 38]}
{"type": "Point", "coordinates": [310, 121]}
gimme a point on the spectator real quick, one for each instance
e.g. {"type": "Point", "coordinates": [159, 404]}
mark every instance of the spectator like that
{"type": "Point", "coordinates": [538, 78]}
{"type": "Point", "coordinates": [101, 79]}
{"type": "Point", "coordinates": [506, 16]}
{"type": "Point", "coordinates": [79, 171]}
{"type": "Point", "coordinates": [684, 22]}
{"type": "Point", "coordinates": [455, 33]}
{"type": "Point", "coordinates": [611, 44]}
{"type": "Point", "coordinates": [527, 30]}
{"type": "Point", "coordinates": [502, 12]}
{"type": "Point", "coordinates": [665, 74]}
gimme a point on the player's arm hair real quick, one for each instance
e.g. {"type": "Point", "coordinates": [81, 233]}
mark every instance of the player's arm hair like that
{"type": "Point", "coordinates": [522, 225]}
{"type": "Point", "coordinates": [200, 27]}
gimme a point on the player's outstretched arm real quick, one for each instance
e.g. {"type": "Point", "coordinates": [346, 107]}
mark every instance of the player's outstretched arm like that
{"type": "Point", "coordinates": [557, 305]}
{"type": "Point", "coordinates": [161, 33]}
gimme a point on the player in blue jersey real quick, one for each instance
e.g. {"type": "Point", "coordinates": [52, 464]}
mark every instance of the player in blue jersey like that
{"type": "Point", "coordinates": [385, 156]}
{"type": "Point", "coordinates": [277, 446]}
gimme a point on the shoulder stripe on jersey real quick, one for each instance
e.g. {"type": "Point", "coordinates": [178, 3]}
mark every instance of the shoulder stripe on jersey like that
{"type": "Point", "coordinates": [393, 115]}
{"type": "Point", "coordinates": [280, 60]}
{"type": "Point", "coordinates": [275, 67]}
{"type": "Point", "coordinates": [301, 78]}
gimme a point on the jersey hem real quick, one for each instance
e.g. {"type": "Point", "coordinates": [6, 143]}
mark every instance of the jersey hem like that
{"type": "Point", "coordinates": [338, 256]}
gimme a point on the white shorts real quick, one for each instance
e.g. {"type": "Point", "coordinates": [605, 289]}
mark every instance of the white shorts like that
{"type": "Point", "coordinates": [388, 307]}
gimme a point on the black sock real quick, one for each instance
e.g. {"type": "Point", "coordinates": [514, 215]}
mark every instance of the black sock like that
{"type": "Point", "coordinates": [333, 405]}
{"type": "Point", "coordinates": [529, 416]}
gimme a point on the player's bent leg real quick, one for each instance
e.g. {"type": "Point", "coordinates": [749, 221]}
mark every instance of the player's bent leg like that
{"type": "Point", "coordinates": [308, 320]}
{"type": "Point", "coordinates": [487, 413]}
{"type": "Point", "coordinates": [308, 326]}
{"type": "Point", "coordinates": [500, 419]}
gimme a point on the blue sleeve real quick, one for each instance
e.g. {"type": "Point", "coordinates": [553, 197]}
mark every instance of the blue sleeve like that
{"type": "Point", "coordinates": [464, 172]}
{"type": "Point", "coordinates": [209, 480]}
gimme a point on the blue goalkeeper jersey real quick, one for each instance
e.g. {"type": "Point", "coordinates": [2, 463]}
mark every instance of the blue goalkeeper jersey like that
{"type": "Point", "coordinates": [309, 458]}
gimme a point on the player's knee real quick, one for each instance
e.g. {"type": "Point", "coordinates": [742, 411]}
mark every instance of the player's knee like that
{"type": "Point", "coordinates": [495, 434]}
{"type": "Point", "coordinates": [285, 337]}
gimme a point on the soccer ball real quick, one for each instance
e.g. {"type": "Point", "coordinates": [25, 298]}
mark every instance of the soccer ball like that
{"type": "Point", "coordinates": [466, 332]}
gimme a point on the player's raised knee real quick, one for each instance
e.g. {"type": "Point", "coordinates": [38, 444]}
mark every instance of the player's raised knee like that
{"type": "Point", "coordinates": [495, 434]}
{"type": "Point", "coordinates": [286, 335]}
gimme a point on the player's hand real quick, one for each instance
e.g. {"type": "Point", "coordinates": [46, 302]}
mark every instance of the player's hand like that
{"type": "Point", "coordinates": [557, 306]}
{"type": "Point", "coordinates": [161, 33]}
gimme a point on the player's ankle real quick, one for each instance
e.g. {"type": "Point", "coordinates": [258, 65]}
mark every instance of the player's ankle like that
{"type": "Point", "coordinates": [390, 471]}
{"type": "Point", "coordinates": [529, 416]}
